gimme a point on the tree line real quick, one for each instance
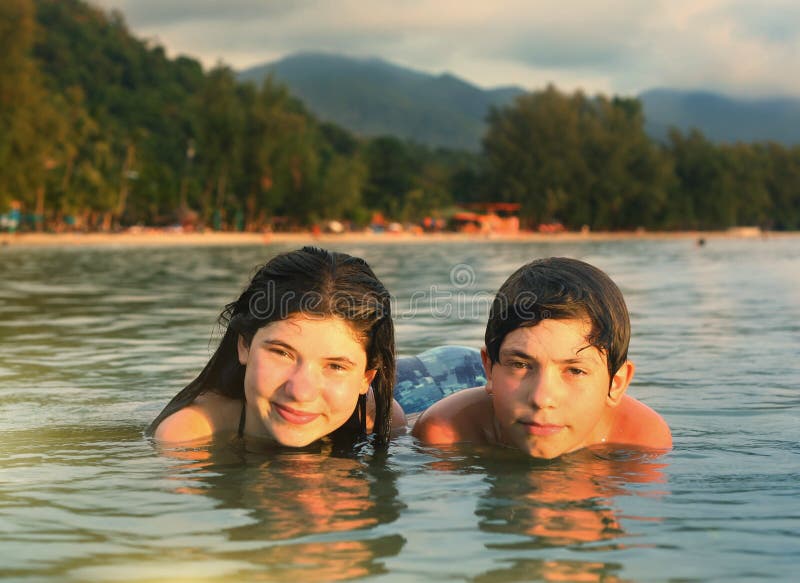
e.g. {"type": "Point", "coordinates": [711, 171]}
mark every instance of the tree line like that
{"type": "Point", "coordinates": [588, 161]}
{"type": "Point", "coordinates": [100, 130]}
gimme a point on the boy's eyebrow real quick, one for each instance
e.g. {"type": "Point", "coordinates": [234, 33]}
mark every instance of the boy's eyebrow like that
{"type": "Point", "coordinates": [575, 360]}
{"type": "Point", "coordinates": [522, 354]}
{"type": "Point", "coordinates": [518, 353]}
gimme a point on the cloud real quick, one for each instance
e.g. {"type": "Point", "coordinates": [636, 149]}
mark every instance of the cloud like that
{"type": "Point", "coordinates": [775, 23]}
{"type": "Point", "coordinates": [738, 46]}
{"type": "Point", "coordinates": [164, 13]}
{"type": "Point", "coordinates": [713, 45]}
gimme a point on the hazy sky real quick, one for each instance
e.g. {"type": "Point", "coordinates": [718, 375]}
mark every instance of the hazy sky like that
{"type": "Point", "coordinates": [739, 47]}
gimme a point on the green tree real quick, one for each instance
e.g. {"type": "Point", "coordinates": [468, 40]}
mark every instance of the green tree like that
{"type": "Point", "coordinates": [781, 182]}
{"type": "Point", "coordinates": [221, 123]}
{"type": "Point", "coordinates": [135, 95]}
{"type": "Point", "coordinates": [431, 193]}
{"type": "Point", "coordinates": [629, 175]}
{"type": "Point", "coordinates": [392, 169]}
{"type": "Point", "coordinates": [533, 151]}
{"type": "Point", "coordinates": [576, 160]}
{"type": "Point", "coordinates": [31, 130]}
{"type": "Point", "coordinates": [339, 195]}
{"type": "Point", "coordinates": [699, 199]}
{"type": "Point", "coordinates": [746, 168]}
{"type": "Point", "coordinates": [283, 158]}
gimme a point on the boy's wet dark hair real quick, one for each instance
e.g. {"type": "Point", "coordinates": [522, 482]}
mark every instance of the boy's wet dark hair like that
{"type": "Point", "coordinates": [314, 283]}
{"type": "Point", "coordinates": [562, 289]}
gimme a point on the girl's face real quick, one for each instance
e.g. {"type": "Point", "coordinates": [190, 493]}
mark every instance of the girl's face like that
{"type": "Point", "coordinates": [302, 380]}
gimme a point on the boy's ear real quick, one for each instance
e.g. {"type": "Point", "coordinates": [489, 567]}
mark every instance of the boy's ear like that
{"type": "Point", "coordinates": [487, 363]}
{"type": "Point", "coordinates": [619, 383]}
{"type": "Point", "coordinates": [487, 369]}
{"type": "Point", "coordinates": [243, 348]}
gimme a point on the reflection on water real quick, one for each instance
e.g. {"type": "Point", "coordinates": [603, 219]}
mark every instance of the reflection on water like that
{"type": "Point", "coordinates": [292, 500]}
{"type": "Point", "coordinates": [533, 506]}
{"type": "Point", "coordinates": [567, 501]}
{"type": "Point", "coordinates": [94, 341]}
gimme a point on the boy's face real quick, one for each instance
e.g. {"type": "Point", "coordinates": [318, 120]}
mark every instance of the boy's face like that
{"type": "Point", "coordinates": [550, 388]}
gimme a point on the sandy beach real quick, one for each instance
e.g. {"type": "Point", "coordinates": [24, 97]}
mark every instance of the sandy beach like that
{"type": "Point", "coordinates": [159, 238]}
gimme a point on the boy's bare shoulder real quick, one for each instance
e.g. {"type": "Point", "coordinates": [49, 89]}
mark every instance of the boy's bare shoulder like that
{"type": "Point", "coordinates": [465, 416]}
{"type": "Point", "coordinates": [638, 424]}
{"type": "Point", "coordinates": [208, 414]}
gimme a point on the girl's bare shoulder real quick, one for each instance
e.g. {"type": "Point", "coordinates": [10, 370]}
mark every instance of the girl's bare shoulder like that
{"type": "Point", "coordinates": [208, 414]}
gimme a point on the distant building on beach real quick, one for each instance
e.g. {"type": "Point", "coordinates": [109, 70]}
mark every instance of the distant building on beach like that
{"type": "Point", "coordinates": [487, 217]}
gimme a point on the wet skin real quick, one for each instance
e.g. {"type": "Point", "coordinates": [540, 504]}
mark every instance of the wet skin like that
{"type": "Point", "coordinates": [303, 379]}
{"type": "Point", "coordinates": [550, 389]}
{"type": "Point", "coordinates": [548, 394]}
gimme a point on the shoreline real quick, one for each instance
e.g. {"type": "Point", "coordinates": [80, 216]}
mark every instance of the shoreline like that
{"type": "Point", "coordinates": [171, 239]}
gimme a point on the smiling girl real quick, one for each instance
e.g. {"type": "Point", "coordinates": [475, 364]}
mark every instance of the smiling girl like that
{"type": "Point", "coordinates": [308, 352]}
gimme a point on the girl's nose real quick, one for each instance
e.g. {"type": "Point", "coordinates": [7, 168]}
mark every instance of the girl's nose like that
{"type": "Point", "coordinates": [303, 384]}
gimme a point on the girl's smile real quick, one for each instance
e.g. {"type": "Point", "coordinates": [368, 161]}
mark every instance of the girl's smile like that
{"type": "Point", "coordinates": [303, 378]}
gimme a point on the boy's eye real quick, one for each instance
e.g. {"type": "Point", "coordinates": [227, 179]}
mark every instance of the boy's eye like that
{"type": "Point", "coordinates": [337, 366]}
{"type": "Point", "coordinates": [576, 371]}
{"type": "Point", "coordinates": [518, 364]}
{"type": "Point", "coordinates": [280, 352]}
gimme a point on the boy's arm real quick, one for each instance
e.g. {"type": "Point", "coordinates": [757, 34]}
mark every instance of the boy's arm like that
{"type": "Point", "coordinates": [431, 428]}
{"type": "Point", "coordinates": [457, 418]}
{"type": "Point", "coordinates": [638, 424]}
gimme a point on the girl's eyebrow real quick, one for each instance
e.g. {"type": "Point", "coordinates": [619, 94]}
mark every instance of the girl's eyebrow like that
{"type": "Point", "coordinates": [343, 359]}
{"type": "Point", "coordinates": [279, 343]}
{"type": "Point", "coordinates": [287, 346]}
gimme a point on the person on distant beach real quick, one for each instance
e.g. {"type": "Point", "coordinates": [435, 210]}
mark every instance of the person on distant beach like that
{"type": "Point", "coordinates": [557, 369]}
{"type": "Point", "coordinates": [308, 352]}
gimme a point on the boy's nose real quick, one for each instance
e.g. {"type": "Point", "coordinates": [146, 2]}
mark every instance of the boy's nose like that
{"type": "Point", "coordinates": [304, 384]}
{"type": "Point", "coordinates": [545, 388]}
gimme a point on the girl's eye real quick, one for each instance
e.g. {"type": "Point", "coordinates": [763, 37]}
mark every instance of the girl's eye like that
{"type": "Point", "coordinates": [280, 352]}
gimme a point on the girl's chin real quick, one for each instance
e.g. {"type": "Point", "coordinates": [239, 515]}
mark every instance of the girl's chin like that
{"type": "Point", "coordinates": [279, 440]}
{"type": "Point", "coordinates": [279, 436]}
{"type": "Point", "coordinates": [296, 438]}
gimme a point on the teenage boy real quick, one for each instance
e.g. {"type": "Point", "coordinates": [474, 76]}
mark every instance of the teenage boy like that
{"type": "Point", "coordinates": [557, 368]}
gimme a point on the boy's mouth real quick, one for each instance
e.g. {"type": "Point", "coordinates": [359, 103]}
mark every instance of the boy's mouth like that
{"type": "Point", "coordinates": [541, 429]}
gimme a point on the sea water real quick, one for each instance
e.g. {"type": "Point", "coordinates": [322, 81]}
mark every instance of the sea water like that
{"type": "Point", "coordinates": [94, 341]}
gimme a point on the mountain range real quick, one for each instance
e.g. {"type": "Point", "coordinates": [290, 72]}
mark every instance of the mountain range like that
{"type": "Point", "coordinates": [722, 118]}
{"type": "Point", "coordinates": [374, 97]}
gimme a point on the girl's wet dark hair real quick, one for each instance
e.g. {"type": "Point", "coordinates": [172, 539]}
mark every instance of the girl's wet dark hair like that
{"type": "Point", "coordinates": [562, 288]}
{"type": "Point", "coordinates": [314, 283]}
